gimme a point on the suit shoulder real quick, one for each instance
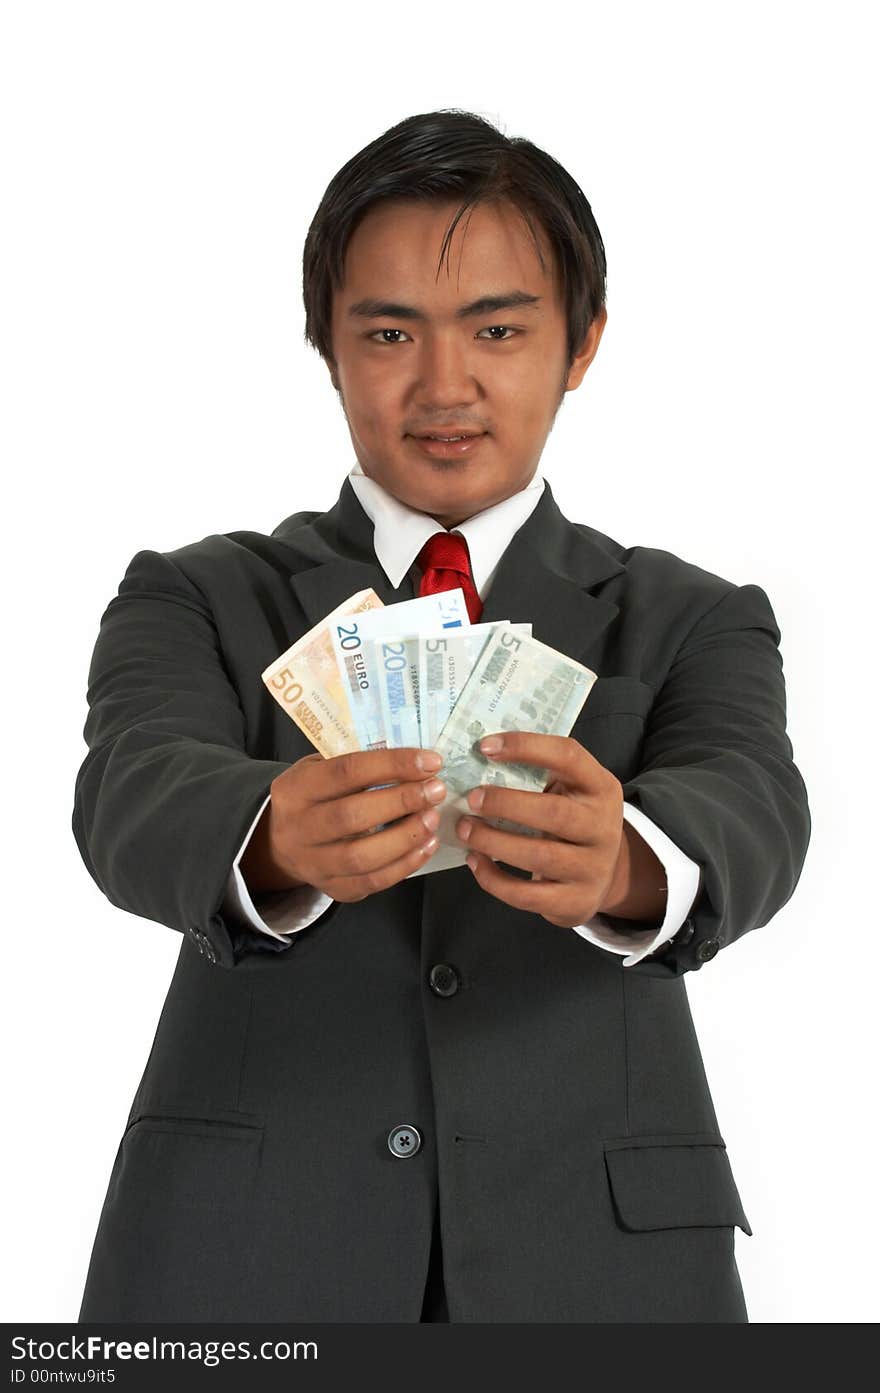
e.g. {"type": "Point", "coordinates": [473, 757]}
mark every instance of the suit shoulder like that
{"type": "Point", "coordinates": [657, 567]}
{"type": "Point", "coordinates": [679, 596]}
{"type": "Point", "coordinates": [213, 564]}
{"type": "Point", "coordinates": [220, 546]}
{"type": "Point", "coordinates": [223, 548]}
{"type": "Point", "coordinates": [677, 587]}
{"type": "Point", "coordinates": [294, 523]}
{"type": "Point", "coordinates": [675, 590]}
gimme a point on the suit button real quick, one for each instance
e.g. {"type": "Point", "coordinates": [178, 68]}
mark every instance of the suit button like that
{"type": "Point", "coordinates": [404, 1140]}
{"type": "Point", "coordinates": [686, 932]}
{"type": "Point", "coordinates": [707, 949]}
{"type": "Point", "coordinates": [209, 952]}
{"type": "Point", "coordinates": [444, 979]}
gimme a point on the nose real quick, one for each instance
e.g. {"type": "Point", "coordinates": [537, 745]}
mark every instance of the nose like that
{"type": "Point", "coordinates": [444, 374]}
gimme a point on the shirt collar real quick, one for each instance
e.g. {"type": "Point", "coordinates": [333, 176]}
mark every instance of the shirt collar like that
{"type": "Point", "coordinates": [400, 532]}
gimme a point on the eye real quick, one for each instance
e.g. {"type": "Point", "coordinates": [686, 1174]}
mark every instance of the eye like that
{"type": "Point", "coordinates": [504, 328]}
{"type": "Point", "coordinates": [386, 331]}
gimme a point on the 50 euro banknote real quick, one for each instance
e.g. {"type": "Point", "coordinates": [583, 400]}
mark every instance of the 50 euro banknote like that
{"type": "Point", "coordinates": [307, 683]}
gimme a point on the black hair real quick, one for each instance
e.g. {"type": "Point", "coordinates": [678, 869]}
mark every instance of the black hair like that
{"type": "Point", "coordinates": [438, 156]}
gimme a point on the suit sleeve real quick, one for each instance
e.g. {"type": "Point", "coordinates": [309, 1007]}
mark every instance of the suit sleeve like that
{"type": "Point", "coordinates": [167, 790]}
{"type": "Point", "coordinates": [718, 776]}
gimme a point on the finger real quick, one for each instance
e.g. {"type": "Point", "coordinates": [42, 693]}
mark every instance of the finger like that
{"type": "Point", "coordinates": [562, 755]}
{"type": "Point", "coordinates": [361, 769]}
{"type": "Point", "coordinates": [352, 888]}
{"type": "Point", "coordinates": [360, 856]}
{"type": "Point", "coordinates": [555, 860]}
{"type": "Point", "coordinates": [541, 897]}
{"type": "Point", "coordinates": [564, 818]}
{"type": "Point", "coordinates": [333, 820]}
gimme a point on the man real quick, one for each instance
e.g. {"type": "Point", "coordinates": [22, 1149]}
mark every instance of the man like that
{"type": "Point", "coordinates": [473, 1095]}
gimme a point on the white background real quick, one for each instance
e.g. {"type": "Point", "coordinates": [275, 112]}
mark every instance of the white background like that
{"type": "Point", "coordinates": [161, 163]}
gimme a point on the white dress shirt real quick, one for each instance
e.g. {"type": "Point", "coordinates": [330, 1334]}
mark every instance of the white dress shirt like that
{"type": "Point", "coordinates": [399, 534]}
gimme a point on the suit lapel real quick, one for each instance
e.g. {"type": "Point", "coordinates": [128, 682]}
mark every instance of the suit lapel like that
{"type": "Point", "coordinates": [545, 575]}
{"type": "Point", "coordinates": [336, 556]}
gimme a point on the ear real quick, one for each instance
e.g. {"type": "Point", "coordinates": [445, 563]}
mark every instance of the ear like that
{"type": "Point", "coordinates": [331, 368]}
{"type": "Point", "coordinates": [587, 351]}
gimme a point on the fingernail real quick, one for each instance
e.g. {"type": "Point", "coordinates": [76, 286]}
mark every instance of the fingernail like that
{"type": "Point", "coordinates": [429, 759]}
{"type": "Point", "coordinates": [464, 828]}
{"type": "Point", "coordinates": [430, 846]}
{"type": "Point", "coordinates": [472, 862]}
{"type": "Point", "coordinates": [475, 798]}
{"type": "Point", "coordinates": [435, 791]}
{"type": "Point", "coordinates": [491, 744]}
{"type": "Point", "coordinates": [431, 819]}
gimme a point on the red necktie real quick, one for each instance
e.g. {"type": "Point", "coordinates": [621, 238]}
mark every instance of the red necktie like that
{"type": "Point", "coordinates": [446, 565]}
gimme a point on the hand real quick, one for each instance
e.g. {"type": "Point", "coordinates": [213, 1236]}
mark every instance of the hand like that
{"type": "Point", "coordinates": [578, 862]}
{"type": "Point", "coordinates": [328, 825]}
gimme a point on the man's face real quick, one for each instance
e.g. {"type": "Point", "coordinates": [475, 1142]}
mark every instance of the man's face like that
{"type": "Point", "coordinates": [417, 355]}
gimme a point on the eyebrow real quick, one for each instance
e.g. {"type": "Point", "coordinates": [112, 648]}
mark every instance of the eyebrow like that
{"type": "Point", "coordinates": [487, 304]}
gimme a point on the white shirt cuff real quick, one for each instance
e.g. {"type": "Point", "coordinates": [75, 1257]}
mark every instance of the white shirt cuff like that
{"type": "Point", "coordinates": [281, 912]}
{"type": "Point", "coordinates": [683, 885]}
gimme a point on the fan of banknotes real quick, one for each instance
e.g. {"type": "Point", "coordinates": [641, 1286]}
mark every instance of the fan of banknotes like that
{"type": "Point", "coordinates": [373, 676]}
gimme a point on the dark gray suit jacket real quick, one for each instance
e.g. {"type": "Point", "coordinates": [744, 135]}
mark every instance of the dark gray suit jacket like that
{"type": "Point", "coordinates": [555, 1102]}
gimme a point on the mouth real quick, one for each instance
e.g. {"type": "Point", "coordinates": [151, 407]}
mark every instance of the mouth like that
{"type": "Point", "coordinates": [448, 444]}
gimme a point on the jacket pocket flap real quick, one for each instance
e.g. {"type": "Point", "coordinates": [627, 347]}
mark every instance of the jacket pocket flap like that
{"type": "Point", "coordinates": [617, 696]}
{"type": "Point", "coordinates": [193, 1117]}
{"type": "Point", "coordinates": [673, 1182]}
